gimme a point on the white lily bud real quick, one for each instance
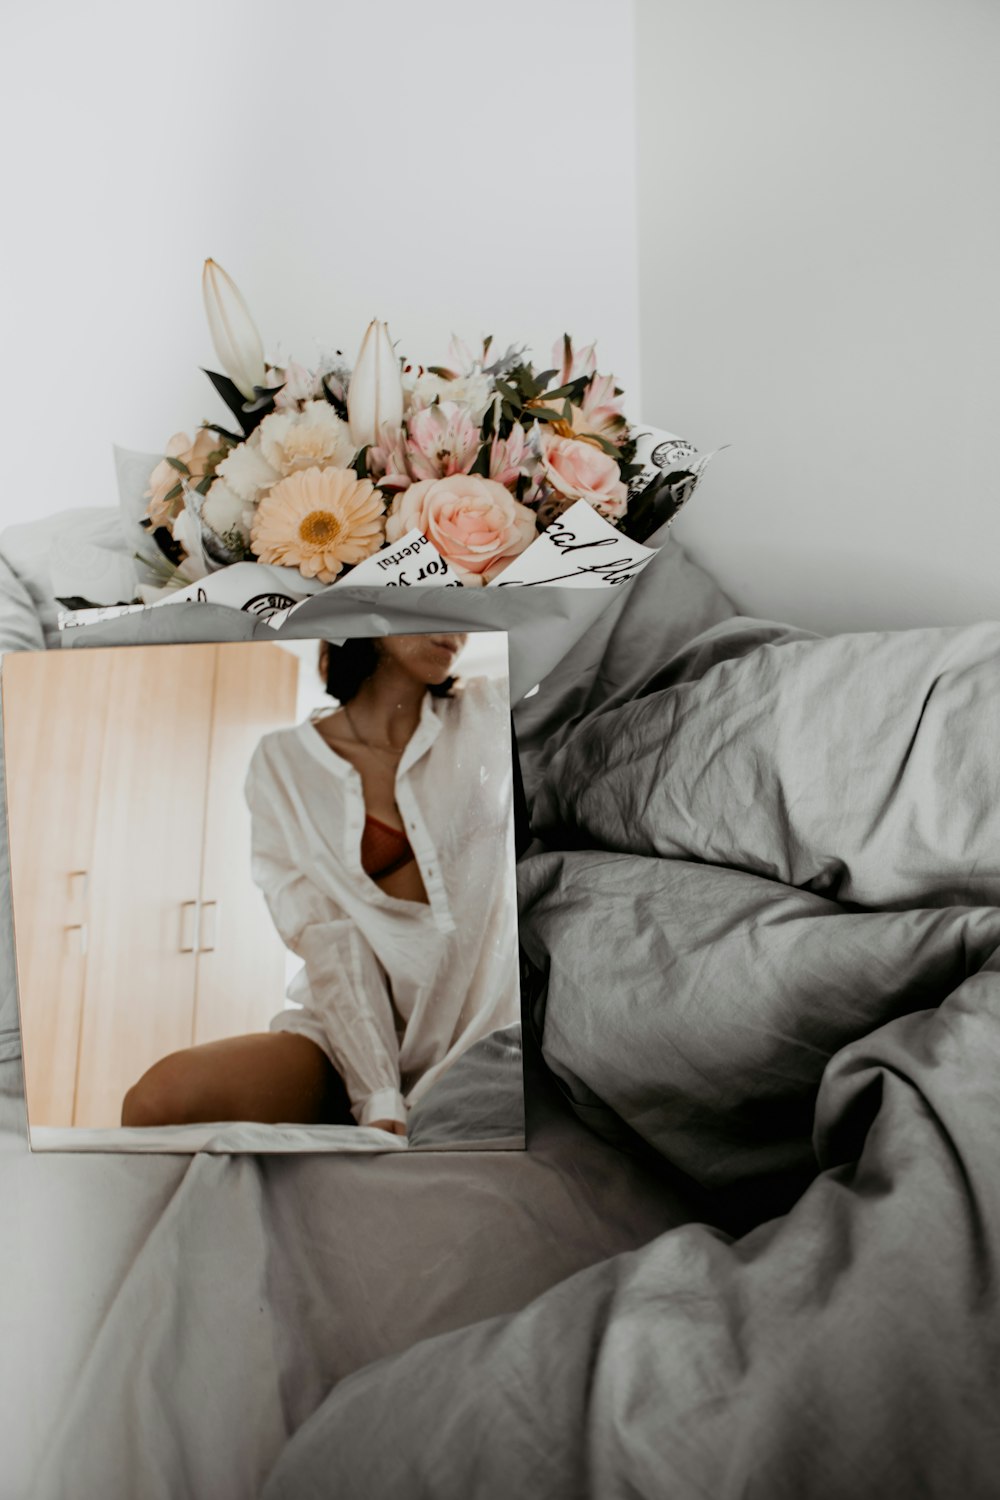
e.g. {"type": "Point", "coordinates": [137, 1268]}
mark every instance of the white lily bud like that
{"type": "Point", "coordinates": [234, 333]}
{"type": "Point", "coordinates": [375, 394]}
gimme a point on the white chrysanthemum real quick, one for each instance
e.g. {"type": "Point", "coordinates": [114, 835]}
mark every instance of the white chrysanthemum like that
{"type": "Point", "coordinates": [247, 472]}
{"type": "Point", "coordinates": [312, 438]}
{"type": "Point", "coordinates": [474, 391]}
{"type": "Point", "coordinates": [225, 511]}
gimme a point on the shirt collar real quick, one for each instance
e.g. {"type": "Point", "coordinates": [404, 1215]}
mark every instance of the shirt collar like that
{"type": "Point", "coordinates": [318, 748]}
{"type": "Point", "coordinates": [427, 730]}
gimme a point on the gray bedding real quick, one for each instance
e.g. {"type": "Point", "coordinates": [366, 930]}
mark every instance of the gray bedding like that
{"type": "Point", "coordinates": [167, 1323]}
{"type": "Point", "coordinates": [846, 1349]}
{"type": "Point", "coordinates": [752, 1246]}
{"type": "Point", "coordinates": [766, 908]}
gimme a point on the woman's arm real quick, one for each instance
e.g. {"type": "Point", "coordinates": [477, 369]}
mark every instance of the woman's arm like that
{"type": "Point", "coordinates": [349, 1012]}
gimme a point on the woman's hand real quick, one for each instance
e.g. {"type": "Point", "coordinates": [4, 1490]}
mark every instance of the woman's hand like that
{"type": "Point", "coordinates": [394, 1127]}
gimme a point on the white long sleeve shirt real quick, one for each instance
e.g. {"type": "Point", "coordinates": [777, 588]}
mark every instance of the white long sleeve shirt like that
{"type": "Point", "coordinates": [394, 991]}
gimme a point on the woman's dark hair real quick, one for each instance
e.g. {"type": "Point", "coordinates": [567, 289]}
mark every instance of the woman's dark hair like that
{"type": "Point", "coordinates": [344, 668]}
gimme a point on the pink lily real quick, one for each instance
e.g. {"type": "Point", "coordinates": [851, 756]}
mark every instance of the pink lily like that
{"type": "Point", "coordinates": [387, 459]}
{"type": "Point", "coordinates": [601, 410]}
{"type": "Point", "coordinates": [441, 439]}
{"type": "Point", "coordinates": [510, 457]}
{"type": "Point", "coordinates": [569, 363]}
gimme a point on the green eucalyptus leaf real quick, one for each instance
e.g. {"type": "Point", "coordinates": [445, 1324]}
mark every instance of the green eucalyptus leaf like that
{"type": "Point", "coordinates": [231, 437]}
{"type": "Point", "coordinates": [233, 397]}
{"type": "Point", "coordinates": [482, 463]}
{"type": "Point", "coordinates": [593, 437]}
{"type": "Point", "coordinates": [560, 392]}
{"type": "Point", "coordinates": [535, 384]}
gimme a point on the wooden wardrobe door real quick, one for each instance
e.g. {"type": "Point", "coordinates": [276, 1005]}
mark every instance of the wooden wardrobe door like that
{"type": "Point", "coordinates": [241, 965]}
{"type": "Point", "coordinates": [53, 741]}
{"type": "Point", "coordinates": [140, 985]}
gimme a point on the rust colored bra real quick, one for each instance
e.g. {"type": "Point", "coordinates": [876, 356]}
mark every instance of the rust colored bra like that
{"type": "Point", "coordinates": [384, 850]}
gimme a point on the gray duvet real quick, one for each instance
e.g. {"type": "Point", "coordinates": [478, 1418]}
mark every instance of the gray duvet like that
{"type": "Point", "coordinates": [765, 908]}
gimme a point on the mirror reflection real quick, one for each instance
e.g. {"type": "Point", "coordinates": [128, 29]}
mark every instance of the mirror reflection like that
{"type": "Point", "coordinates": [270, 884]}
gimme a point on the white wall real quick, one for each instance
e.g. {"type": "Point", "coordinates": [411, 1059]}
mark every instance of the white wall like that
{"type": "Point", "coordinates": [467, 166]}
{"type": "Point", "coordinates": [819, 231]}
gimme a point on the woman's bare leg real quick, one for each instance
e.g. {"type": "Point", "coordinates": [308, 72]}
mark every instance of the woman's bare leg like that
{"type": "Point", "coordinates": [273, 1076]}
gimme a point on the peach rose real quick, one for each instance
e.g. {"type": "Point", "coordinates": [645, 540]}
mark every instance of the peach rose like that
{"type": "Point", "coordinates": [476, 525]}
{"type": "Point", "coordinates": [164, 477]}
{"type": "Point", "coordinates": [581, 471]}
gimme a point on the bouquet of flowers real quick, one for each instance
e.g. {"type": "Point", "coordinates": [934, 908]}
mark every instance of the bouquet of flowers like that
{"type": "Point", "coordinates": [318, 471]}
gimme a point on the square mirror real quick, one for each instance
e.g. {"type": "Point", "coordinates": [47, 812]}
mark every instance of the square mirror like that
{"type": "Point", "coordinates": [264, 895]}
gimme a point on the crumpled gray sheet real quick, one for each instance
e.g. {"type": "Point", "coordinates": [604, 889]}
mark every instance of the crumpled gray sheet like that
{"type": "Point", "coordinates": [167, 1322]}
{"type": "Point", "coordinates": [864, 767]}
{"type": "Point", "coordinates": [772, 945]}
{"type": "Point", "coordinates": [847, 1349]}
{"type": "Point", "coordinates": [700, 1005]}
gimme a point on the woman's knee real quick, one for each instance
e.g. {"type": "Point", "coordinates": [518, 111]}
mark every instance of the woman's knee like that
{"type": "Point", "coordinates": [268, 1077]}
{"type": "Point", "coordinates": [162, 1096]}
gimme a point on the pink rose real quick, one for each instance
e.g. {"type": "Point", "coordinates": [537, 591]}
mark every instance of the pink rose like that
{"type": "Point", "coordinates": [581, 471]}
{"type": "Point", "coordinates": [476, 525]}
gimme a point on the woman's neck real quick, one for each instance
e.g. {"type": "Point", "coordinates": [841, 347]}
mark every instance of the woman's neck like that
{"type": "Point", "coordinates": [387, 706]}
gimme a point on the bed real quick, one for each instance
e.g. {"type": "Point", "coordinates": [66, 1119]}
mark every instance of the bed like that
{"type": "Point", "coordinates": [168, 1323]}
{"type": "Point", "coordinates": [751, 1246]}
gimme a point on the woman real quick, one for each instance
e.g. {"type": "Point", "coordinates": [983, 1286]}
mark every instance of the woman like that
{"type": "Point", "coordinates": [382, 838]}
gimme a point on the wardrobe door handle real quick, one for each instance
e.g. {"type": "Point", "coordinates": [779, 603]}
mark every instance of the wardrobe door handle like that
{"type": "Point", "coordinates": [189, 926]}
{"type": "Point", "coordinates": [80, 928]}
{"type": "Point", "coordinates": [209, 930]}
